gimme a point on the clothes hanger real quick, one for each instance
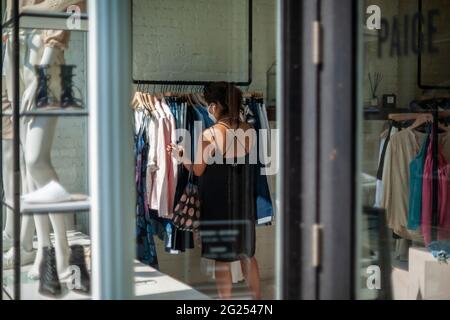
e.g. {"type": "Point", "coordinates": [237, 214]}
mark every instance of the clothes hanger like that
{"type": "Point", "coordinates": [140, 101]}
{"type": "Point", "coordinates": [194, 97]}
{"type": "Point", "coordinates": [148, 104]}
{"type": "Point", "coordinates": [135, 102]}
{"type": "Point", "coordinates": [421, 119]}
{"type": "Point", "coordinates": [202, 100]}
{"type": "Point", "coordinates": [443, 126]}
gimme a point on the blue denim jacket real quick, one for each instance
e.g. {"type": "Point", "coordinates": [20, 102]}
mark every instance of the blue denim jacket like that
{"type": "Point", "coordinates": [264, 207]}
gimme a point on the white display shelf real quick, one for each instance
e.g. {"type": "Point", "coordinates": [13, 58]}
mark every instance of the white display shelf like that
{"type": "Point", "coordinates": [63, 207]}
{"type": "Point", "coordinates": [150, 284]}
{"type": "Point", "coordinates": [51, 113]}
{"type": "Point", "coordinates": [47, 20]}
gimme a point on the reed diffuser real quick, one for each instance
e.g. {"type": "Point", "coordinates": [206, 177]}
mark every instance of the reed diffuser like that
{"type": "Point", "coordinates": [375, 80]}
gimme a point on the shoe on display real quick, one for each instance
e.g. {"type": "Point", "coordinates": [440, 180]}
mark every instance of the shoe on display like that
{"type": "Point", "coordinates": [68, 99]}
{"type": "Point", "coordinates": [49, 284]}
{"type": "Point", "coordinates": [44, 100]}
{"type": "Point", "coordinates": [7, 242]}
{"type": "Point", "coordinates": [26, 258]}
{"type": "Point", "coordinates": [53, 192]}
{"type": "Point", "coordinates": [78, 260]}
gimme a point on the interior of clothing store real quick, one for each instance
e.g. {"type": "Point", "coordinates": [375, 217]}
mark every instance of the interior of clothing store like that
{"type": "Point", "coordinates": [404, 149]}
{"type": "Point", "coordinates": [178, 47]}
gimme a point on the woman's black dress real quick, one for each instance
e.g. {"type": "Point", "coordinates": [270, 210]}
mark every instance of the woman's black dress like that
{"type": "Point", "coordinates": [227, 223]}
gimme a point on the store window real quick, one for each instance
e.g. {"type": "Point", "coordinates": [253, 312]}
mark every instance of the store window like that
{"type": "Point", "coordinates": [188, 58]}
{"type": "Point", "coordinates": [403, 229]}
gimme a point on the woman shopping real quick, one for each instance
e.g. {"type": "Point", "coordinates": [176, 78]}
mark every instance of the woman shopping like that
{"type": "Point", "coordinates": [226, 169]}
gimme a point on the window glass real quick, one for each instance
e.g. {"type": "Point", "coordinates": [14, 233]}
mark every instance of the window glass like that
{"type": "Point", "coordinates": [403, 230]}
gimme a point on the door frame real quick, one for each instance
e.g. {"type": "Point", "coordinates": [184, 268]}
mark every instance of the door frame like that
{"type": "Point", "coordinates": [317, 89]}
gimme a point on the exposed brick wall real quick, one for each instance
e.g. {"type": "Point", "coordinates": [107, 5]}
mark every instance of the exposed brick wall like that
{"type": "Point", "coordinates": [202, 40]}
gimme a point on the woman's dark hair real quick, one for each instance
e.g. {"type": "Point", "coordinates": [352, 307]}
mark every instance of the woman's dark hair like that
{"type": "Point", "coordinates": [228, 95]}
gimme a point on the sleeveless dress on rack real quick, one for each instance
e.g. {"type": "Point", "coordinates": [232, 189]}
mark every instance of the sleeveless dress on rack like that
{"type": "Point", "coordinates": [228, 210]}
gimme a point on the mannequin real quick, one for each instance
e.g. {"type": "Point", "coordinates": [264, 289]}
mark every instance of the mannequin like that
{"type": "Point", "coordinates": [39, 139]}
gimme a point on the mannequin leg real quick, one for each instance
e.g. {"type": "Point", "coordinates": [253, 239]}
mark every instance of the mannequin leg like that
{"type": "Point", "coordinates": [27, 222]}
{"type": "Point", "coordinates": [38, 162]}
{"type": "Point", "coordinates": [8, 177]}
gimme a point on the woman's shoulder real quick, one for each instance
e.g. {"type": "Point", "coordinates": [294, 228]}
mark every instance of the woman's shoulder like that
{"type": "Point", "coordinates": [222, 130]}
{"type": "Point", "coordinates": [222, 126]}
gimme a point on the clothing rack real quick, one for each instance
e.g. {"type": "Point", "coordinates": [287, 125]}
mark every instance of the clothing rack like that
{"type": "Point", "coordinates": [183, 89]}
{"type": "Point", "coordinates": [203, 83]}
{"type": "Point", "coordinates": [437, 115]}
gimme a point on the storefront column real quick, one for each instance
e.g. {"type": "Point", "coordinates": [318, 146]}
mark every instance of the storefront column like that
{"type": "Point", "coordinates": [111, 149]}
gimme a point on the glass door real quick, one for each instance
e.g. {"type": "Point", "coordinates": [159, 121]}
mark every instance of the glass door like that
{"type": "Point", "coordinates": [402, 242]}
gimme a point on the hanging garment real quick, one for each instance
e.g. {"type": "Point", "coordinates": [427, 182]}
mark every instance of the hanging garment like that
{"type": "Point", "coordinates": [415, 187]}
{"type": "Point", "coordinates": [183, 240]}
{"type": "Point", "coordinates": [379, 186]}
{"type": "Point", "coordinates": [265, 125]}
{"type": "Point", "coordinates": [401, 150]}
{"type": "Point", "coordinates": [146, 248]}
{"type": "Point", "coordinates": [264, 208]}
{"type": "Point", "coordinates": [152, 159]}
{"type": "Point", "coordinates": [164, 180]}
{"type": "Point", "coordinates": [427, 193]}
{"type": "Point", "coordinates": [172, 164]}
{"type": "Point", "coordinates": [383, 148]}
{"type": "Point", "coordinates": [164, 230]}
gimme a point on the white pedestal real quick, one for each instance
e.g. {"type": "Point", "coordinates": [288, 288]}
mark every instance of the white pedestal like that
{"type": "Point", "coordinates": [428, 279]}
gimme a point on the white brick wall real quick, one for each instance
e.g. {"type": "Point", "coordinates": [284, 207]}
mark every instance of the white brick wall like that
{"type": "Point", "coordinates": [202, 40]}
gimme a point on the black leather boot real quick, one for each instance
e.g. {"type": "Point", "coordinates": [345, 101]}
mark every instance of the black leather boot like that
{"type": "Point", "coordinates": [77, 259]}
{"type": "Point", "coordinates": [43, 97]}
{"type": "Point", "coordinates": [49, 284]}
{"type": "Point", "coordinates": [67, 96]}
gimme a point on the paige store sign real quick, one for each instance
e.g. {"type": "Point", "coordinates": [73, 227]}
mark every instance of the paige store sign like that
{"type": "Point", "coordinates": [399, 35]}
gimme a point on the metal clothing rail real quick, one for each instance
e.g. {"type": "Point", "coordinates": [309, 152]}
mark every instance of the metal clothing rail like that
{"type": "Point", "coordinates": [203, 83]}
